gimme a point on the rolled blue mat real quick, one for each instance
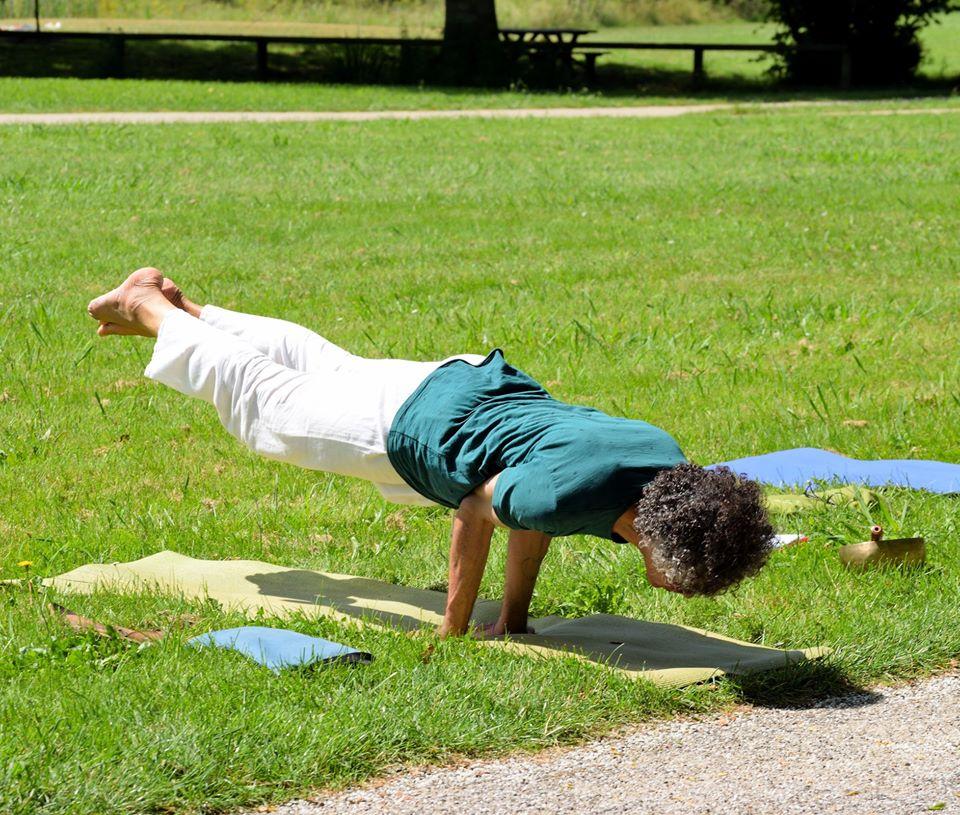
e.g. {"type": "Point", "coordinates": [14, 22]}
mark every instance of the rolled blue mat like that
{"type": "Point", "coordinates": [278, 648]}
{"type": "Point", "coordinates": [795, 468]}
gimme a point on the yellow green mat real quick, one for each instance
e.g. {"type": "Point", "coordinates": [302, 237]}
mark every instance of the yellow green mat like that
{"type": "Point", "coordinates": [662, 653]}
{"type": "Point", "coordinates": [789, 503]}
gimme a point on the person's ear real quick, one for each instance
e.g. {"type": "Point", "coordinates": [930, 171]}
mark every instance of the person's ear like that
{"type": "Point", "coordinates": [623, 526]}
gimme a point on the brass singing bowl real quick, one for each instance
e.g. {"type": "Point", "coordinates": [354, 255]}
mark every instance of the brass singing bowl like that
{"type": "Point", "coordinates": [880, 552]}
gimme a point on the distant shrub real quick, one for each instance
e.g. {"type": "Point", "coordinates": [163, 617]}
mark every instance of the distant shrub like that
{"type": "Point", "coordinates": [750, 9]}
{"type": "Point", "coordinates": [880, 35]}
{"type": "Point", "coordinates": [612, 13]}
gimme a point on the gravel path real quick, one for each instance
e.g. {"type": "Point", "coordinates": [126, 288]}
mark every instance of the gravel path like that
{"type": "Point", "coordinates": [634, 112]}
{"type": "Point", "coordinates": [893, 751]}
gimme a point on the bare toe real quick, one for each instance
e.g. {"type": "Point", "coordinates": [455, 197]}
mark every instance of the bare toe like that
{"type": "Point", "coordinates": [172, 292]}
{"type": "Point", "coordinates": [99, 305]}
{"type": "Point", "coordinates": [175, 295]}
{"type": "Point", "coordinates": [112, 329]}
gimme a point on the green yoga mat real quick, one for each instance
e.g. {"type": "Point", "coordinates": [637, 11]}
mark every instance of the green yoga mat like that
{"type": "Point", "coordinates": [788, 503]}
{"type": "Point", "coordinates": [662, 653]}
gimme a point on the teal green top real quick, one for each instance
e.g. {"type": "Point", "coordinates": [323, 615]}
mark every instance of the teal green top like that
{"type": "Point", "coordinates": [564, 469]}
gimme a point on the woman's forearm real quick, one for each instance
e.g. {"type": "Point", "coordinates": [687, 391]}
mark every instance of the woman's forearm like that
{"type": "Point", "coordinates": [525, 553]}
{"type": "Point", "coordinates": [469, 548]}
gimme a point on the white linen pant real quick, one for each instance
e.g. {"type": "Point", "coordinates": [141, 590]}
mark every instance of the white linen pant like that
{"type": "Point", "coordinates": [291, 395]}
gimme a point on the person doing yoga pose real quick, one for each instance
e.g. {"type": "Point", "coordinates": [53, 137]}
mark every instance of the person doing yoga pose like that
{"type": "Point", "coordinates": [471, 433]}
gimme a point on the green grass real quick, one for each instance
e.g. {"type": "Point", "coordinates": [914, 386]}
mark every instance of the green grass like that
{"type": "Point", "coordinates": [244, 25]}
{"type": "Point", "coordinates": [18, 95]}
{"type": "Point", "coordinates": [749, 282]}
{"type": "Point", "coordinates": [408, 15]}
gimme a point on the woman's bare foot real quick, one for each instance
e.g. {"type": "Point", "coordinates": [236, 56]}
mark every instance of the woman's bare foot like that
{"type": "Point", "coordinates": [176, 296]}
{"type": "Point", "coordinates": [137, 306]}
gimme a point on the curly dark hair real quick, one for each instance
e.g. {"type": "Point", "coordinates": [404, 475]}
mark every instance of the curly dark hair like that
{"type": "Point", "coordinates": [706, 529]}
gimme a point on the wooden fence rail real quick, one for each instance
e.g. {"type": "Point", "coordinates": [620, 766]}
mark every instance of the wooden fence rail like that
{"type": "Point", "coordinates": [587, 49]}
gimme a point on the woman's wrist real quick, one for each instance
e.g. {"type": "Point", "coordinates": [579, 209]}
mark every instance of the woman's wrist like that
{"type": "Point", "coordinates": [512, 622]}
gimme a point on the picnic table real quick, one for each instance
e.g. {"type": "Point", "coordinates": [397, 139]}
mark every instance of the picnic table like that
{"type": "Point", "coordinates": [551, 36]}
{"type": "Point", "coordinates": [550, 49]}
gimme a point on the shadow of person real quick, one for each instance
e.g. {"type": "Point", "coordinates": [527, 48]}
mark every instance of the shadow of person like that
{"type": "Point", "coordinates": [663, 652]}
{"type": "Point", "coordinates": [816, 683]}
{"type": "Point", "coordinates": [400, 606]}
{"type": "Point", "coordinates": [672, 651]}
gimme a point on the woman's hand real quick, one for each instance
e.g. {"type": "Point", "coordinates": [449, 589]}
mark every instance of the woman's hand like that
{"type": "Point", "coordinates": [492, 631]}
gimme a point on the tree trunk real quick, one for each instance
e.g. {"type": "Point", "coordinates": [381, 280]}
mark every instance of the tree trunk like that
{"type": "Point", "coordinates": [472, 53]}
{"type": "Point", "coordinates": [473, 21]}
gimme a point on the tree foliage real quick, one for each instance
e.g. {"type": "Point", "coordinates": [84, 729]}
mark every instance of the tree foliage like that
{"type": "Point", "coordinates": [880, 35]}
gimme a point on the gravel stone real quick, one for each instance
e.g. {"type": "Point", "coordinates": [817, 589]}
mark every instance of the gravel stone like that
{"type": "Point", "coordinates": [891, 751]}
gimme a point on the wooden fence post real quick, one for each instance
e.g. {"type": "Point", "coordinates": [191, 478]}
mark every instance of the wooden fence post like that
{"type": "Point", "coordinates": [118, 54]}
{"type": "Point", "coordinates": [262, 66]}
{"type": "Point", "coordinates": [698, 72]}
{"type": "Point", "coordinates": [846, 68]}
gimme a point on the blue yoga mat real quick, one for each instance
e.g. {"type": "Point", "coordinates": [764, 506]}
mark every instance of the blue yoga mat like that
{"type": "Point", "coordinates": [277, 648]}
{"type": "Point", "coordinates": [795, 468]}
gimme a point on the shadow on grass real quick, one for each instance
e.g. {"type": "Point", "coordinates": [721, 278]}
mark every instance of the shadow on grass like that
{"type": "Point", "coordinates": [365, 64]}
{"type": "Point", "coordinates": [803, 685]}
{"type": "Point", "coordinates": [628, 80]}
{"type": "Point", "coordinates": [360, 597]}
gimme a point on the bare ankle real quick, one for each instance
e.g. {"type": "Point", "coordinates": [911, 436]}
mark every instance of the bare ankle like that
{"type": "Point", "coordinates": [151, 312]}
{"type": "Point", "coordinates": [192, 308]}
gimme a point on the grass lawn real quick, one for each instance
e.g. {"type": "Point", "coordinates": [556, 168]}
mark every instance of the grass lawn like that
{"type": "Point", "coordinates": [748, 282]}
{"type": "Point", "coordinates": [36, 95]}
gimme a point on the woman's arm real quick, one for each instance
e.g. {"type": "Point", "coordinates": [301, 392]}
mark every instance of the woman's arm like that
{"type": "Point", "coordinates": [525, 552]}
{"type": "Point", "coordinates": [469, 548]}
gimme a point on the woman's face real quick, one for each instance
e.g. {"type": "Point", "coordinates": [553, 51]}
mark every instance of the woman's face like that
{"type": "Point", "coordinates": [656, 578]}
